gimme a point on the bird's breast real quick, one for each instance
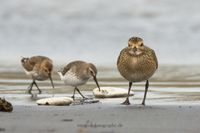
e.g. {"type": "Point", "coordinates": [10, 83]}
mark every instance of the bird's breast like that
{"type": "Point", "coordinates": [72, 79]}
{"type": "Point", "coordinates": [29, 73]}
{"type": "Point", "coordinates": [136, 68]}
{"type": "Point", "coordinates": [36, 75]}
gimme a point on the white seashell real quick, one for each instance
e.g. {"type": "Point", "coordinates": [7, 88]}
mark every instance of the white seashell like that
{"type": "Point", "coordinates": [57, 101]}
{"type": "Point", "coordinates": [111, 92]}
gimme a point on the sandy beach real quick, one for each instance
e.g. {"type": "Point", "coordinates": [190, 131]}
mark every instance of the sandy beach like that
{"type": "Point", "coordinates": [172, 105]}
{"type": "Point", "coordinates": [96, 31]}
{"type": "Point", "coordinates": [102, 118]}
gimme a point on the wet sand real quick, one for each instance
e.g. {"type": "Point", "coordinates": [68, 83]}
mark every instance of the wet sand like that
{"type": "Point", "coordinates": [173, 104]}
{"type": "Point", "coordinates": [102, 118]}
{"type": "Point", "coordinates": [161, 114]}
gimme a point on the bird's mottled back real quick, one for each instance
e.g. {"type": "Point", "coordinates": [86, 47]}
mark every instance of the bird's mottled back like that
{"type": "Point", "coordinates": [80, 68]}
{"type": "Point", "coordinates": [29, 63]}
{"type": "Point", "coordinates": [73, 65]}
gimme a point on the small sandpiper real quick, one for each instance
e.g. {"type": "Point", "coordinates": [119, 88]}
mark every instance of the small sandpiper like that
{"type": "Point", "coordinates": [39, 68]}
{"type": "Point", "coordinates": [77, 73]}
{"type": "Point", "coordinates": [137, 63]}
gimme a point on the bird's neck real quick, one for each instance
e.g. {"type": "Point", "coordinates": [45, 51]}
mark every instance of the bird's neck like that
{"type": "Point", "coordinates": [61, 75]}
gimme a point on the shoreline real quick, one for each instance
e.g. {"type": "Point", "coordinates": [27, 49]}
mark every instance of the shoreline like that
{"type": "Point", "coordinates": [171, 72]}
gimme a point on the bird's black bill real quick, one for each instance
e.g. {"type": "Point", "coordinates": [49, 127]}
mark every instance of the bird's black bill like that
{"type": "Point", "coordinates": [134, 49]}
{"type": "Point", "coordinates": [51, 81]}
{"type": "Point", "coordinates": [95, 79]}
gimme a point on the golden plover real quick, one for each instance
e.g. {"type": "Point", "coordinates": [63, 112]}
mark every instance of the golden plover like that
{"type": "Point", "coordinates": [137, 63]}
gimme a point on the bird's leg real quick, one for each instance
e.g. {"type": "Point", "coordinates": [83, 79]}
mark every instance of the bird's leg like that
{"type": "Point", "coordinates": [146, 89]}
{"type": "Point", "coordinates": [73, 96]}
{"type": "Point", "coordinates": [126, 102]}
{"type": "Point", "coordinates": [30, 87]}
{"type": "Point", "coordinates": [80, 93]}
{"type": "Point", "coordinates": [37, 87]}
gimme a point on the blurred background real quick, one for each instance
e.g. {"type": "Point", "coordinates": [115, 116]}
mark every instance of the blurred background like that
{"type": "Point", "coordinates": [96, 30]}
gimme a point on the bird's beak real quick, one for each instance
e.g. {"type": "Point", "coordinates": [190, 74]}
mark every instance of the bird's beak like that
{"type": "Point", "coordinates": [95, 79]}
{"type": "Point", "coordinates": [134, 49]}
{"type": "Point", "coordinates": [51, 80]}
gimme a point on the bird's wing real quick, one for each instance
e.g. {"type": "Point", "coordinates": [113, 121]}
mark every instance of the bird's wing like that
{"type": "Point", "coordinates": [37, 59]}
{"type": "Point", "coordinates": [36, 68]}
{"type": "Point", "coordinates": [72, 65]}
{"type": "Point", "coordinates": [34, 60]}
{"type": "Point", "coordinates": [119, 56]}
{"type": "Point", "coordinates": [66, 68]}
{"type": "Point", "coordinates": [155, 58]}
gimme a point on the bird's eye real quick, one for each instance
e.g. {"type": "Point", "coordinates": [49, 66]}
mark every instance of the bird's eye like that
{"type": "Point", "coordinates": [141, 44]}
{"type": "Point", "coordinates": [23, 60]}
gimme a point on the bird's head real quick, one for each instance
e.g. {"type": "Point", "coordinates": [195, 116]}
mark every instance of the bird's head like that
{"type": "Point", "coordinates": [24, 60]}
{"type": "Point", "coordinates": [136, 46]}
{"type": "Point", "coordinates": [26, 63]}
{"type": "Point", "coordinates": [92, 71]}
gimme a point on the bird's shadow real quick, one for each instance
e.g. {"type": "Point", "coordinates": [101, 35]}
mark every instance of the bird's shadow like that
{"type": "Point", "coordinates": [136, 106]}
{"type": "Point", "coordinates": [141, 107]}
{"type": "Point", "coordinates": [85, 101]}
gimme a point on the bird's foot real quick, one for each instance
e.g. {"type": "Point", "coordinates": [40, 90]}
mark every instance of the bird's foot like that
{"type": "Point", "coordinates": [126, 102]}
{"type": "Point", "coordinates": [73, 97]}
{"type": "Point", "coordinates": [86, 98]}
{"type": "Point", "coordinates": [40, 92]}
{"type": "Point", "coordinates": [29, 92]}
{"type": "Point", "coordinates": [143, 103]}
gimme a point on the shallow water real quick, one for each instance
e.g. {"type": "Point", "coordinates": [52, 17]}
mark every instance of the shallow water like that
{"type": "Point", "coordinates": [166, 87]}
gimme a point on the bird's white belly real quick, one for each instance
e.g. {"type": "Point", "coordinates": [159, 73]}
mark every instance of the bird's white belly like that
{"type": "Point", "coordinates": [29, 73]}
{"type": "Point", "coordinates": [35, 75]}
{"type": "Point", "coordinates": [72, 80]}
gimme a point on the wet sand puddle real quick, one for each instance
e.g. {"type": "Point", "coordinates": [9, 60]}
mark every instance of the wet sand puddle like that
{"type": "Point", "coordinates": [180, 92]}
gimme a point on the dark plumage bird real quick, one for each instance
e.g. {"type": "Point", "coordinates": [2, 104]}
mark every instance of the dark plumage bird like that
{"type": "Point", "coordinates": [137, 63]}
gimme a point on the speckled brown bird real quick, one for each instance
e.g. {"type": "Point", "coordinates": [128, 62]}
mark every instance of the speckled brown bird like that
{"type": "Point", "coordinates": [77, 73]}
{"type": "Point", "coordinates": [137, 63]}
{"type": "Point", "coordinates": [39, 68]}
